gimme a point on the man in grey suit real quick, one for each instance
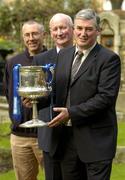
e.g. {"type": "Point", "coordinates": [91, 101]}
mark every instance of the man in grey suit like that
{"type": "Point", "coordinates": [84, 131]}
{"type": "Point", "coordinates": [61, 29]}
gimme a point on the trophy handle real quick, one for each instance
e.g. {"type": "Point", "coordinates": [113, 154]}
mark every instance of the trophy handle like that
{"type": "Point", "coordinates": [49, 68]}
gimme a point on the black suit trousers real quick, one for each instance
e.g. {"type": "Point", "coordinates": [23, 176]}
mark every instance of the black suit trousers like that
{"type": "Point", "coordinates": [52, 167]}
{"type": "Point", "coordinates": [74, 169]}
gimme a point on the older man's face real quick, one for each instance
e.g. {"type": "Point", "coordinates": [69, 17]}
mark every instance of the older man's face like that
{"type": "Point", "coordinates": [61, 32]}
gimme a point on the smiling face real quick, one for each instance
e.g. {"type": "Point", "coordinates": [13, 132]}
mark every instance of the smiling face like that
{"type": "Point", "coordinates": [85, 33]}
{"type": "Point", "coordinates": [33, 38]}
{"type": "Point", "coordinates": [61, 31]}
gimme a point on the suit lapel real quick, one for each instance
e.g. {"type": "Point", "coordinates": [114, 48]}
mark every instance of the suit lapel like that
{"type": "Point", "coordinates": [87, 62]}
{"type": "Point", "coordinates": [68, 62]}
{"type": "Point", "coordinates": [53, 55]}
{"type": "Point", "coordinates": [63, 71]}
{"type": "Point", "coordinates": [65, 62]}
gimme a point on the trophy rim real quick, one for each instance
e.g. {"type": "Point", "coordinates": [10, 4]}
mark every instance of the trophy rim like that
{"type": "Point", "coordinates": [30, 68]}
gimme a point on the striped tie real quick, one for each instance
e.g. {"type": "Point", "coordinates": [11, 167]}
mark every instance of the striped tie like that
{"type": "Point", "coordinates": [76, 64]}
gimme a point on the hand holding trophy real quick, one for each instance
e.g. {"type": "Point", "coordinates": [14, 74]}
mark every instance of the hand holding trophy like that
{"type": "Point", "coordinates": [31, 82]}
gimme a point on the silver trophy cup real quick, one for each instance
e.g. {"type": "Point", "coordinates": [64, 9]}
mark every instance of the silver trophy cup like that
{"type": "Point", "coordinates": [35, 82]}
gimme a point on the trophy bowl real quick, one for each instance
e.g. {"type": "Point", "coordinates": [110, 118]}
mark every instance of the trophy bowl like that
{"type": "Point", "coordinates": [34, 83]}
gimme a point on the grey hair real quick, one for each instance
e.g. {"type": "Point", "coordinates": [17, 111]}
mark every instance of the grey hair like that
{"type": "Point", "coordinates": [31, 22]}
{"type": "Point", "coordinates": [62, 15]}
{"type": "Point", "coordinates": [88, 14]}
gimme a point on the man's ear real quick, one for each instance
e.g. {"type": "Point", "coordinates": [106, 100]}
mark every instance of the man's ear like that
{"type": "Point", "coordinates": [99, 31]}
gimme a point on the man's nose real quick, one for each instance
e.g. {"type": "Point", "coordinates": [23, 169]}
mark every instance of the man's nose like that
{"type": "Point", "coordinates": [31, 36]}
{"type": "Point", "coordinates": [59, 31]}
{"type": "Point", "coordinates": [84, 31]}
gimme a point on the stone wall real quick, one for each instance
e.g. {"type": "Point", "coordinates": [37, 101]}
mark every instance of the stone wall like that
{"type": "Point", "coordinates": [4, 115]}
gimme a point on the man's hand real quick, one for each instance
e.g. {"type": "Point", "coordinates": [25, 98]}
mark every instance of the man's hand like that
{"type": "Point", "coordinates": [27, 102]}
{"type": "Point", "coordinates": [62, 117]}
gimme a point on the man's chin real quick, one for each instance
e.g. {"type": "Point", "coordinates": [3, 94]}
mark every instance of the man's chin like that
{"type": "Point", "coordinates": [84, 44]}
{"type": "Point", "coordinates": [33, 48]}
{"type": "Point", "coordinates": [62, 43]}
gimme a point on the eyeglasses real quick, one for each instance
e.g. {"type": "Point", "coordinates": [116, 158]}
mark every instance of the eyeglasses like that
{"type": "Point", "coordinates": [33, 34]}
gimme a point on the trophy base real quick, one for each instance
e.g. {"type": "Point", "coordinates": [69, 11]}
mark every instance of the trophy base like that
{"type": "Point", "coordinates": [33, 123]}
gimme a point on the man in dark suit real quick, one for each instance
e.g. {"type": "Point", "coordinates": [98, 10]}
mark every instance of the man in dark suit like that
{"type": "Point", "coordinates": [84, 132]}
{"type": "Point", "coordinates": [61, 29]}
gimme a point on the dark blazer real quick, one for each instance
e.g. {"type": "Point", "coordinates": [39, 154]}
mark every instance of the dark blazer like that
{"type": "Point", "coordinates": [93, 97]}
{"type": "Point", "coordinates": [45, 114]}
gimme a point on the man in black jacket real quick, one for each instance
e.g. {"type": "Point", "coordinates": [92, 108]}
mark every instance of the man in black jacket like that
{"type": "Point", "coordinates": [61, 29]}
{"type": "Point", "coordinates": [85, 129]}
{"type": "Point", "coordinates": [24, 143]}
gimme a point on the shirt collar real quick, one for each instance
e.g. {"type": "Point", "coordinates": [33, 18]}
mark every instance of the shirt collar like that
{"type": "Point", "coordinates": [31, 57]}
{"type": "Point", "coordinates": [57, 49]}
{"type": "Point", "coordinates": [87, 51]}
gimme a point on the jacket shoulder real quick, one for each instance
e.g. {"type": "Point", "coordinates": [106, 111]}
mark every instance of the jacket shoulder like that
{"type": "Point", "coordinates": [45, 57]}
{"type": "Point", "coordinates": [107, 51]}
{"type": "Point", "coordinates": [67, 50]}
{"type": "Point", "coordinates": [16, 59]}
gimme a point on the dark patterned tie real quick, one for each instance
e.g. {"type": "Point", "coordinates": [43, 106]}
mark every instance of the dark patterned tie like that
{"type": "Point", "coordinates": [75, 68]}
{"type": "Point", "coordinates": [76, 64]}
